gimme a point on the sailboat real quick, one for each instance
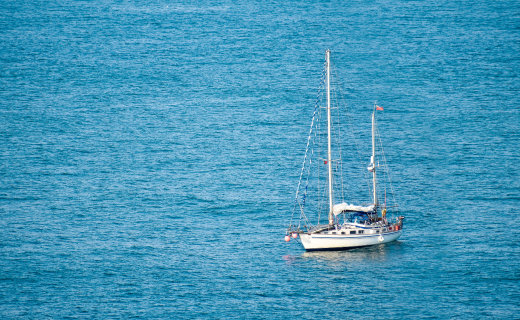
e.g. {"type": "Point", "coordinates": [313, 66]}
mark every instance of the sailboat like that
{"type": "Point", "coordinates": [349, 225]}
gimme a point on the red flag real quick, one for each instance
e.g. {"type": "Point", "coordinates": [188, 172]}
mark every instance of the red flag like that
{"type": "Point", "coordinates": [379, 108]}
{"type": "Point", "coordinates": [325, 161]}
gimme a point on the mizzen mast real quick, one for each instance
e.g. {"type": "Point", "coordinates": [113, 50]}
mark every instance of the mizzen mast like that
{"type": "Point", "coordinates": [373, 158]}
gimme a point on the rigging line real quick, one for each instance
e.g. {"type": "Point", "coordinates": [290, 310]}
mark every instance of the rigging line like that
{"type": "Point", "coordinates": [318, 125]}
{"type": "Point", "coordinates": [387, 170]}
{"type": "Point", "coordinates": [302, 214]}
{"type": "Point", "coordinates": [311, 157]}
{"type": "Point", "coordinates": [339, 182]}
{"type": "Point", "coordinates": [352, 197]}
{"type": "Point", "coordinates": [338, 135]}
{"type": "Point", "coordinates": [308, 140]}
{"type": "Point", "coordinates": [323, 195]}
{"type": "Point", "coordinates": [317, 137]}
{"type": "Point", "coordinates": [344, 188]}
{"type": "Point", "coordinates": [308, 173]}
{"type": "Point", "coordinates": [303, 166]}
{"type": "Point", "coordinates": [358, 149]}
{"type": "Point", "coordinates": [302, 206]}
{"type": "Point", "coordinates": [384, 170]}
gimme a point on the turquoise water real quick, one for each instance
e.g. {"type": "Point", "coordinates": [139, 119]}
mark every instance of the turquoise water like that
{"type": "Point", "coordinates": [150, 152]}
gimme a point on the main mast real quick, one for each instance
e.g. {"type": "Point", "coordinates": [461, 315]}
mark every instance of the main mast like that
{"type": "Point", "coordinates": [329, 153]}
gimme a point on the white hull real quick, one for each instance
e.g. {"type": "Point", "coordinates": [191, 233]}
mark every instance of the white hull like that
{"type": "Point", "coordinates": [338, 241]}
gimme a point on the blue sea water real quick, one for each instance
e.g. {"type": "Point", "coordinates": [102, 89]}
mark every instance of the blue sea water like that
{"type": "Point", "coordinates": [150, 152]}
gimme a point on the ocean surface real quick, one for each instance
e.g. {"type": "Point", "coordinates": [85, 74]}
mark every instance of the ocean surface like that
{"type": "Point", "coordinates": [150, 153]}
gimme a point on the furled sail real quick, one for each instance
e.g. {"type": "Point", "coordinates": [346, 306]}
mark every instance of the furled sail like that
{"type": "Point", "coordinates": [342, 207]}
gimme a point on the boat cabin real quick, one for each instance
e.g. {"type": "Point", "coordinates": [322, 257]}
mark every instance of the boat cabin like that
{"type": "Point", "coordinates": [360, 217]}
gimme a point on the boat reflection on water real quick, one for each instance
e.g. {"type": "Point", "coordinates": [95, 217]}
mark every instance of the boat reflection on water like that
{"type": "Point", "coordinates": [378, 253]}
{"type": "Point", "coordinates": [373, 253]}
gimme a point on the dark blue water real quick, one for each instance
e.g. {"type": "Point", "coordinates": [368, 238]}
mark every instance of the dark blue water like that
{"type": "Point", "coordinates": [150, 152]}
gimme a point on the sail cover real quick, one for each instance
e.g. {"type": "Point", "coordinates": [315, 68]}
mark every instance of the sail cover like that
{"type": "Point", "coordinates": [342, 207]}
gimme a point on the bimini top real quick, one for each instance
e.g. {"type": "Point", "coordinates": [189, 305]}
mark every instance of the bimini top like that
{"type": "Point", "coordinates": [343, 207]}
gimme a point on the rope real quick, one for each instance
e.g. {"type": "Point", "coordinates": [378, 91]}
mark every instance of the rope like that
{"type": "Point", "coordinates": [358, 149]}
{"type": "Point", "coordinates": [307, 148]}
{"type": "Point", "coordinates": [387, 169]}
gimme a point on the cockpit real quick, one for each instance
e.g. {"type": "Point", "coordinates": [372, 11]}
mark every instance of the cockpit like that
{"type": "Point", "coordinates": [357, 217]}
